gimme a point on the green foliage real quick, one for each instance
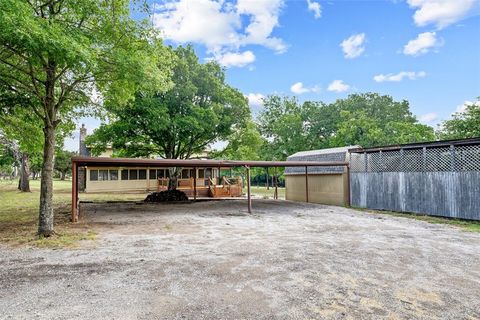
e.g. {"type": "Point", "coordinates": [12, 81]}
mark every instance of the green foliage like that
{"type": "Point", "coordinates": [56, 55]}
{"type": "Point", "coordinates": [366, 119]}
{"type": "Point", "coordinates": [463, 124]}
{"type": "Point", "coordinates": [286, 124]}
{"type": "Point", "coordinates": [63, 162]}
{"type": "Point", "coordinates": [56, 52]}
{"type": "Point", "coordinates": [245, 143]}
{"type": "Point", "coordinates": [199, 109]}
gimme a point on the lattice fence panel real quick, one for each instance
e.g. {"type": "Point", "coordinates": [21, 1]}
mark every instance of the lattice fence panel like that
{"type": "Point", "coordinates": [357, 162]}
{"type": "Point", "coordinates": [374, 163]}
{"type": "Point", "coordinates": [391, 161]}
{"type": "Point", "coordinates": [438, 159]}
{"type": "Point", "coordinates": [462, 158]}
{"type": "Point", "coordinates": [467, 158]}
{"type": "Point", "coordinates": [412, 160]}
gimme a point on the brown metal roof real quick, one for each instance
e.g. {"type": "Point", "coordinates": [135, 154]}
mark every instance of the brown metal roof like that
{"type": "Point", "coordinates": [137, 162]}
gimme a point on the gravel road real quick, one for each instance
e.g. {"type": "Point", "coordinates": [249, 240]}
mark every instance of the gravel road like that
{"type": "Point", "coordinates": [212, 260]}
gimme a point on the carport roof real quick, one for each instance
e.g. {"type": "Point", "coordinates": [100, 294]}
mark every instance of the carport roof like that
{"type": "Point", "coordinates": [138, 162]}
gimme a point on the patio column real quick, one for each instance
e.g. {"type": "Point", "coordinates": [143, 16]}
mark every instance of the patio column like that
{"type": "Point", "coordinates": [75, 191]}
{"type": "Point", "coordinates": [195, 184]}
{"type": "Point", "coordinates": [274, 182]}
{"type": "Point", "coordinates": [248, 190]}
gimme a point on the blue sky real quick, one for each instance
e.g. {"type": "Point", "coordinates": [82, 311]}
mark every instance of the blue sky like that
{"type": "Point", "coordinates": [424, 51]}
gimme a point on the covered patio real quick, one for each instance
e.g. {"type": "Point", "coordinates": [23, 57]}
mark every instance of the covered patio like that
{"type": "Point", "coordinates": [78, 162]}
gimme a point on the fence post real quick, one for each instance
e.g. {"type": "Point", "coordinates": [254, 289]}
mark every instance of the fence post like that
{"type": "Point", "coordinates": [424, 159]}
{"type": "Point", "coordinates": [452, 157]}
{"type": "Point", "coordinates": [366, 161]}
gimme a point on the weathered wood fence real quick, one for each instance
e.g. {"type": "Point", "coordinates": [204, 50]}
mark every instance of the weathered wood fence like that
{"type": "Point", "coordinates": [438, 179]}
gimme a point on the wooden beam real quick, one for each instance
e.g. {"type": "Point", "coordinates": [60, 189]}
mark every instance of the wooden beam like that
{"type": "Point", "coordinates": [249, 191]}
{"type": "Point", "coordinates": [75, 191]}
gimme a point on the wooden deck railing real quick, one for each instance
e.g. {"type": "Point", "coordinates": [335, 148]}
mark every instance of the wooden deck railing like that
{"type": "Point", "coordinates": [223, 188]}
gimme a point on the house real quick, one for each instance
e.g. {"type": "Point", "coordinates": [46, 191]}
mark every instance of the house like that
{"type": "Point", "coordinates": [208, 181]}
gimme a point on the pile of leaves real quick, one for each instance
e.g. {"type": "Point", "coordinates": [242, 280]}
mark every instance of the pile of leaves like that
{"type": "Point", "coordinates": [166, 196]}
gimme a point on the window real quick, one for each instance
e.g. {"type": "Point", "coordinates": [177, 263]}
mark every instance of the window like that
{"type": "Point", "coordinates": [153, 174]}
{"type": "Point", "coordinates": [102, 175]}
{"type": "Point", "coordinates": [161, 173]}
{"type": "Point", "coordinates": [142, 174]}
{"type": "Point", "coordinates": [124, 174]}
{"type": "Point", "coordinates": [208, 173]}
{"type": "Point", "coordinates": [93, 175]}
{"type": "Point", "coordinates": [113, 174]}
{"type": "Point", "coordinates": [133, 174]}
{"type": "Point", "coordinates": [184, 174]}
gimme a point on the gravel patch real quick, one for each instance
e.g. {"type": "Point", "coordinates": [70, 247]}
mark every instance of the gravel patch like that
{"type": "Point", "coordinates": [213, 260]}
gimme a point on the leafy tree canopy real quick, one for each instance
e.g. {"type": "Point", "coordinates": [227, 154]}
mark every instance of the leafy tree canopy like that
{"type": "Point", "coordinates": [463, 125]}
{"type": "Point", "coordinates": [366, 119]}
{"type": "Point", "coordinates": [198, 110]}
{"type": "Point", "coordinates": [55, 55]}
{"type": "Point", "coordinates": [63, 162]}
{"type": "Point", "coordinates": [245, 143]}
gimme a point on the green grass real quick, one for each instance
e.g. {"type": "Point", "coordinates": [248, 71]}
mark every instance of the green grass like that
{"type": "Point", "coordinates": [19, 214]}
{"type": "Point", "coordinates": [264, 193]}
{"type": "Point", "coordinates": [471, 226]}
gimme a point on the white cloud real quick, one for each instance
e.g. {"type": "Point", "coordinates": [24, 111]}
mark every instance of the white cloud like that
{"type": "Point", "coordinates": [338, 86]}
{"type": "Point", "coordinates": [255, 99]}
{"type": "Point", "coordinates": [422, 44]}
{"type": "Point", "coordinates": [353, 46]}
{"type": "Point", "coordinates": [233, 59]}
{"type": "Point", "coordinates": [315, 7]}
{"type": "Point", "coordinates": [440, 12]}
{"type": "Point", "coordinates": [428, 117]}
{"type": "Point", "coordinates": [299, 88]}
{"type": "Point", "coordinates": [461, 108]}
{"type": "Point", "coordinates": [220, 25]}
{"type": "Point", "coordinates": [399, 76]}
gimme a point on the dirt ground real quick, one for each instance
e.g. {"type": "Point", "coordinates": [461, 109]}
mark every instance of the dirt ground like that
{"type": "Point", "coordinates": [212, 260]}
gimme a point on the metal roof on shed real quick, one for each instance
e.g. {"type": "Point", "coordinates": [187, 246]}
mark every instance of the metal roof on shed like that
{"type": "Point", "coordinates": [339, 154]}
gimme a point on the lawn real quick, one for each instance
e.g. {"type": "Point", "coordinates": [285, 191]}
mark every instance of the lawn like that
{"type": "Point", "coordinates": [264, 193]}
{"type": "Point", "coordinates": [19, 214]}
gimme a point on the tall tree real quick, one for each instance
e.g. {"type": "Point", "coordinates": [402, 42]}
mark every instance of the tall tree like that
{"type": "Point", "coordinates": [245, 143]}
{"type": "Point", "coordinates": [56, 54]}
{"type": "Point", "coordinates": [63, 162]}
{"type": "Point", "coordinates": [285, 123]}
{"type": "Point", "coordinates": [366, 119]}
{"type": "Point", "coordinates": [200, 109]}
{"type": "Point", "coordinates": [463, 125]}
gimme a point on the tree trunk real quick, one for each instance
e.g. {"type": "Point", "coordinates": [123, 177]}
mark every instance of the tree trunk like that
{"type": "Point", "coordinates": [45, 218]}
{"type": "Point", "coordinates": [62, 175]}
{"type": "Point", "coordinates": [24, 182]}
{"type": "Point", "coordinates": [172, 178]}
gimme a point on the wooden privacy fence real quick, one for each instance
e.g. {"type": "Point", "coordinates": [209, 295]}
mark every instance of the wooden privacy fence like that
{"type": "Point", "coordinates": [441, 179]}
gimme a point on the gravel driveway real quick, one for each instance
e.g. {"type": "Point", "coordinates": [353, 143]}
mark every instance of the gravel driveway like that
{"type": "Point", "coordinates": [212, 260]}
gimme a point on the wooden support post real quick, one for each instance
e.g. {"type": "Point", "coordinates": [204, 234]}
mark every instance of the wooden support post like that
{"type": "Point", "coordinates": [249, 194]}
{"type": "Point", "coordinates": [274, 181]}
{"type": "Point", "coordinates": [195, 184]}
{"type": "Point", "coordinates": [348, 186]}
{"type": "Point", "coordinates": [75, 192]}
{"type": "Point", "coordinates": [306, 183]}
{"type": "Point", "coordinates": [268, 187]}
